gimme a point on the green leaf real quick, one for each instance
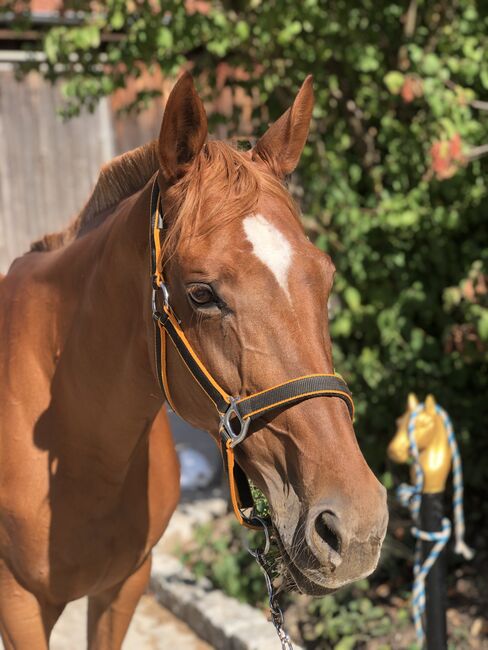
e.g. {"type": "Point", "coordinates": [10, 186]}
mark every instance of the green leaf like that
{"type": "Point", "coordinates": [347, 643]}
{"type": "Point", "coordinates": [164, 38]}
{"type": "Point", "coordinates": [341, 325]}
{"type": "Point", "coordinates": [51, 47]}
{"type": "Point", "coordinates": [394, 81]}
{"type": "Point", "coordinates": [483, 325]}
{"type": "Point", "coordinates": [387, 480]}
{"type": "Point", "coordinates": [353, 298]}
{"type": "Point", "coordinates": [289, 32]}
{"type": "Point", "coordinates": [117, 20]}
{"type": "Point", "coordinates": [242, 30]}
{"type": "Point", "coordinates": [431, 64]}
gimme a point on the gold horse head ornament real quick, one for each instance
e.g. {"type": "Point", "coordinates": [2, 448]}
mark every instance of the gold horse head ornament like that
{"type": "Point", "coordinates": [430, 435]}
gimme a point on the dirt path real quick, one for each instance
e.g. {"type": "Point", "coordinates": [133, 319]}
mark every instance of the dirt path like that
{"type": "Point", "coordinates": [152, 628]}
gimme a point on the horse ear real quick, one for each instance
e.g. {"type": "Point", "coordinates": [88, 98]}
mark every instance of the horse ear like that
{"type": "Point", "coordinates": [412, 402]}
{"type": "Point", "coordinates": [282, 144]}
{"type": "Point", "coordinates": [430, 405]}
{"type": "Point", "coordinates": [183, 131]}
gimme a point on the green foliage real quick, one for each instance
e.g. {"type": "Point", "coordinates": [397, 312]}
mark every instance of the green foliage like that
{"type": "Point", "coordinates": [342, 621]}
{"type": "Point", "coordinates": [220, 554]}
{"type": "Point", "coordinates": [395, 188]}
{"type": "Point", "coordinates": [261, 505]}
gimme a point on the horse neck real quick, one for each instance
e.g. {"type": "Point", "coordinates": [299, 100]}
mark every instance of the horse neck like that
{"type": "Point", "coordinates": [105, 389]}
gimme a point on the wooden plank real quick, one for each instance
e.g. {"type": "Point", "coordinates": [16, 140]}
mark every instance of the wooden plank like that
{"type": "Point", "coordinates": [47, 166]}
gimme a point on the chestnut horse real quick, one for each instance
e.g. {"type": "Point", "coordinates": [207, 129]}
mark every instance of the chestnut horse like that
{"type": "Point", "coordinates": [89, 474]}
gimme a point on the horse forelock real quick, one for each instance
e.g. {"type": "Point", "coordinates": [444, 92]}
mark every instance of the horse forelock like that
{"type": "Point", "coordinates": [223, 185]}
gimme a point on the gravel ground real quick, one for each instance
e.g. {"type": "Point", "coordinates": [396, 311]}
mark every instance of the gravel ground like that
{"type": "Point", "coordinates": [152, 628]}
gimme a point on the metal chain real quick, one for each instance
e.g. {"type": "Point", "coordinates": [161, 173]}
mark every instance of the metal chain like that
{"type": "Point", "coordinates": [274, 608]}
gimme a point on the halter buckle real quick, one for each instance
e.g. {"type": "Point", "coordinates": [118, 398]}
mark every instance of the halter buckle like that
{"type": "Point", "coordinates": [227, 426]}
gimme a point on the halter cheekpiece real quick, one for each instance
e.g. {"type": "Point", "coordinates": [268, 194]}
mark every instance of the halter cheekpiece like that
{"type": "Point", "coordinates": [235, 413]}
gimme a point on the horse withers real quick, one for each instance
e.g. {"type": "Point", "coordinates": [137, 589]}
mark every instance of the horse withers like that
{"type": "Point", "coordinates": [89, 475]}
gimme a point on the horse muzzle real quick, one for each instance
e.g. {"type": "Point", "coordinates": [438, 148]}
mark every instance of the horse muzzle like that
{"type": "Point", "coordinates": [329, 550]}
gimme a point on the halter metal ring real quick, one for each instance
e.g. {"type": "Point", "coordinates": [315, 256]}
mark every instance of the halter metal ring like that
{"type": "Point", "coordinates": [227, 426]}
{"type": "Point", "coordinates": [164, 290]}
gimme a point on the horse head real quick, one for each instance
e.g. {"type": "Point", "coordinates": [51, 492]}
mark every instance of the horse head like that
{"type": "Point", "coordinates": [251, 292]}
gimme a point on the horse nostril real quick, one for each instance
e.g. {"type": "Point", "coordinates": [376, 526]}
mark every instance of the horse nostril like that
{"type": "Point", "coordinates": [326, 528]}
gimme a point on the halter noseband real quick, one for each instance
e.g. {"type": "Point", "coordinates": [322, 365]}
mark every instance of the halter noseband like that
{"type": "Point", "coordinates": [236, 413]}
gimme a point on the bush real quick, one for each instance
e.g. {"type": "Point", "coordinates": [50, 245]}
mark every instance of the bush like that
{"type": "Point", "coordinates": [218, 553]}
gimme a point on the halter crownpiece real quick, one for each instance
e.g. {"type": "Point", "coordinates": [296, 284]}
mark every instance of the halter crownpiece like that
{"type": "Point", "coordinates": [235, 413]}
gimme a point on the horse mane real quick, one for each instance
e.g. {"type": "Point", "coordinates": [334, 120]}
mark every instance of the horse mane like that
{"type": "Point", "coordinates": [118, 179]}
{"type": "Point", "coordinates": [222, 185]}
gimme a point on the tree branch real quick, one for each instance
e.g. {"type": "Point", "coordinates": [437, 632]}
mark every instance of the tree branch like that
{"type": "Point", "coordinates": [477, 152]}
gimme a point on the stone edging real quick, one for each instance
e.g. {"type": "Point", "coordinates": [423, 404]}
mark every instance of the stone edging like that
{"type": "Point", "coordinates": [223, 622]}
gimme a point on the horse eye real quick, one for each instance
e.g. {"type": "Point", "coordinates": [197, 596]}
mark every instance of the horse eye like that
{"type": "Point", "coordinates": [202, 295]}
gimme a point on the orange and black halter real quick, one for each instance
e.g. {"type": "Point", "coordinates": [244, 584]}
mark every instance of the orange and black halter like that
{"type": "Point", "coordinates": [235, 413]}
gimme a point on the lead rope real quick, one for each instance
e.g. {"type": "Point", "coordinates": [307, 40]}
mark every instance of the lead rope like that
{"type": "Point", "coordinates": [274, 608]}
{"type": "Point", "coordinates": [411, 496]}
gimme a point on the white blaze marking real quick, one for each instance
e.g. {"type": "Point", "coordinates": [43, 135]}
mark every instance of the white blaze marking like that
{"type": "Point", "coordinates": [270, 246]}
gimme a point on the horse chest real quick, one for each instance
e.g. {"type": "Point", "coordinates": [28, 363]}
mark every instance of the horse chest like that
{"type": "Point", "coordinates": [81, 528]}
{"type": "Point", "coordinates": [100, 532]}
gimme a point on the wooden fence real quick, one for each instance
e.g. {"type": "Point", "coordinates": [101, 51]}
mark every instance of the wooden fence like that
{"type": "Point", "coordinates": [47, 166]}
